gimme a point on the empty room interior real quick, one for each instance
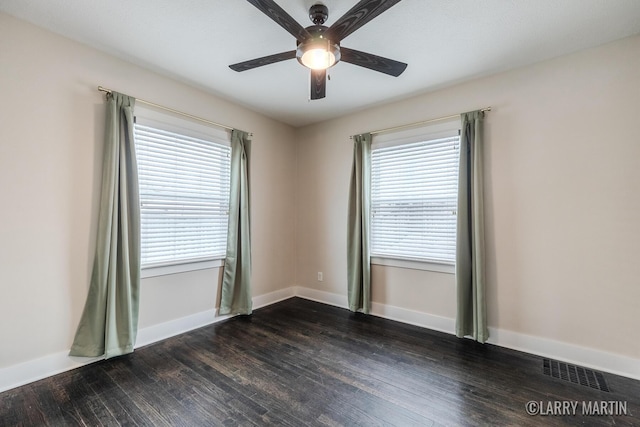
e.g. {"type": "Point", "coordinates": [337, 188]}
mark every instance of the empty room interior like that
{"type": "Point", "coordinates": [294, 212]}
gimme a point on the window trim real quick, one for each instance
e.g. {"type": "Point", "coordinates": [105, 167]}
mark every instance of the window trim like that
{"type": "Point", "coordinates": [413, 264]}
{"type": "Point", "coordinates": [165, 270]}
{"type": "Point", "coordinates": [442, 129]}
{"type": "Point", "coordinates": [149, 116]}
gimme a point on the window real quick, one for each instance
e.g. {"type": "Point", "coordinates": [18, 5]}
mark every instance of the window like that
{"type": "Point", "coordinates": [414, 182]}
{"type": "Point", "coordinates": [184, 178]}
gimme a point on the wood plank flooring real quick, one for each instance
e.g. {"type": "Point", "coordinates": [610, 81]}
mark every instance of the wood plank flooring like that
{"type": "Point", "coordinates": [299, 363]}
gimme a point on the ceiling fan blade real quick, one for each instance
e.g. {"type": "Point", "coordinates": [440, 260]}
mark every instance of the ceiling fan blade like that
{"type": "Point", "coordinates": [265, 60]}
{"type": "Point", "coordinates": [356, 17]}
{"type": "Point", "coordinates": [318, 84]}
{"type": "Point", "coordinates": [372, 62]}
{"type": "Point", "coordinates": [282, 18]}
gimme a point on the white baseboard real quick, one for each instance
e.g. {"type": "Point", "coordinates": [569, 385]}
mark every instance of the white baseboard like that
{"type": "Point", "coordinates": [179, 326]}
{"type": "Point", "coordinates": [34, 370]}
{"type": "Point", "coordinates": [571, 353]}
{"type": "Point", "coordinates": [545, 347]}
{"type": "Point", "coordinates": [412, 317]}
{"type": "Point", "coordinates": [161, 331]}
{"type": "Point", "coordinates": [330, 298]}
{"type": "Point", "coordinates": [273, 297]}
{"type": "Point", "coordinates": [37, 369]}
{"type": "Point", "coordinates": [43, 367]}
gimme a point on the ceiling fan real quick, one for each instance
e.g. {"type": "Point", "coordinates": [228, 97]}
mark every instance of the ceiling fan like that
{"type": "Point", "coordinates": [318, 46]}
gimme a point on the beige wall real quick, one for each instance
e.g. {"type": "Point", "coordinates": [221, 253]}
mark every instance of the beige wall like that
{"type": "Point", "coordinates": [561, 194]}
{"type": "Point", "coordinates": [562, 199]}
{"type": "Point", "coordinates": [51, 129]}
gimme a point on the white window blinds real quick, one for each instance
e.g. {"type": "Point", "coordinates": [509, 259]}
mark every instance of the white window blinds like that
{"type": "Point", "coordinates": [184, 196]}
{"type": "Point", "coordinates": [414, 198]}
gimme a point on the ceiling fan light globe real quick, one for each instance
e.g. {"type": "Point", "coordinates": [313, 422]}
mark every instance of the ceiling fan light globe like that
{"type": "Point", "coordinates": [318, 54]}
{"type": "Point", "coordinates": [318, 59]}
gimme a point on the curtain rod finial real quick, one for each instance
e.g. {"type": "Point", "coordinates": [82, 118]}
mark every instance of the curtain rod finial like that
{"type": "Point", "coordinates": [107, 92]}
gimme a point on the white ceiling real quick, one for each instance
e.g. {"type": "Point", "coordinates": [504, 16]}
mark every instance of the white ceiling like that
{"type": "Point", "coordinates": [443, 41]}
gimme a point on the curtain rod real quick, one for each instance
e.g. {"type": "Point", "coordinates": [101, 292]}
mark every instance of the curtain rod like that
{"type": "Point", "coordinates": [191, 116]}
{"type": "Point", "coordinates": [424, 122]}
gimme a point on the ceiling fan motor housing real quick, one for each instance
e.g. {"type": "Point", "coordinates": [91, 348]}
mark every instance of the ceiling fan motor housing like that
{"type": "Point", "coordinates": [318, 13]}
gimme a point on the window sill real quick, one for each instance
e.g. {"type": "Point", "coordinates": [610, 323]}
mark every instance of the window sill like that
{"type": "Point", "coordinates": [180, 268]}
{"type": "Point", "coordinates": [414, 265]}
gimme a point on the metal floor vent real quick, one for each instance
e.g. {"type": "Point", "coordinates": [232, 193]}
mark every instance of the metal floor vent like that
{"type": "Point", "coordinates": [575, 374]}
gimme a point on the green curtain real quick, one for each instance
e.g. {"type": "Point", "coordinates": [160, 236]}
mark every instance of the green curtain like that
{"type": "Point", "coordinates": [109, 322]}
{"type": "Point", "coordinates": [471, 319]}
{"type": "Point", "coordinates": [358, 227]}
{"type": "Point", "coordinates": [236, 283]}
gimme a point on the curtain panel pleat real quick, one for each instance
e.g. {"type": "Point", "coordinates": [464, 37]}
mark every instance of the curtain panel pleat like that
{"type": "Point", "coordinates": [236, 284]}
{"type": "Point", "coordinates": [109, 321]}
{"type": "Point", "coordinates": [359, 227]}
{"type": "Point", "coordinates": [471, 318]}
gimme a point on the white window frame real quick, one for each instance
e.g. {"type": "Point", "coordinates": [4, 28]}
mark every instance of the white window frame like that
{"type": "Point", "coordinates": [148, 116]}
{"type": "Point", "coordinates": [441, 129]}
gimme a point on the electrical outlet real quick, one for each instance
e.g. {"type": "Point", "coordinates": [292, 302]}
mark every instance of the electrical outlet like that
{"type": "Point", "coordinates": [320, 278]}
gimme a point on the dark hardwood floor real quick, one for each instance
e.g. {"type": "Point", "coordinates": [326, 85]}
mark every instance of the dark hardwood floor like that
{"type": "Point", "coordinates": [299, 363]}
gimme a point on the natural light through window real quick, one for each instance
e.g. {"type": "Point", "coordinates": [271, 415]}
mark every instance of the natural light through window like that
{"type": "Point", "coordinates": [184, 195]}
{"type": "Point", "coordinates": [414, 198]}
